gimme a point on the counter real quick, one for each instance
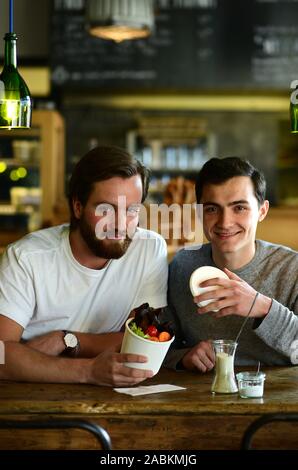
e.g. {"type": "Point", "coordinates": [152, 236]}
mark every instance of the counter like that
{"type": "Point", "coordinates": [184, 419]}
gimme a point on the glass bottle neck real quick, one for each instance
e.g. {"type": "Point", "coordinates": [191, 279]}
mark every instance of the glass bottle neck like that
{"type": "Point", "coordinates": [10, 55]}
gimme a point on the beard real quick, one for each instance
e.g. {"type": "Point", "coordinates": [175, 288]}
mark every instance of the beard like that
{"type": "Point", "coordinates": [107, 248]}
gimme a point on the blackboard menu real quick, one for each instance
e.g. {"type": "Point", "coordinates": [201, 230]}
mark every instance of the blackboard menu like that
{"type": "Point", "coordinates": [196, 44]}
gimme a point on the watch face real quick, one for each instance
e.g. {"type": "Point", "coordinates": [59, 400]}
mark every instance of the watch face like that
{"type": "Point", "coordinates": [71, 340]}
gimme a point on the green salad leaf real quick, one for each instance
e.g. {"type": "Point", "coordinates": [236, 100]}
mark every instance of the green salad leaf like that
{"type": "Point", "coordinates": [137, 330]}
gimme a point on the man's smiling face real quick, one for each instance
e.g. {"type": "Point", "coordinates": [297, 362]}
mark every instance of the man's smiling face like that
{"type": "Point", "coordinates": [231, 214]}
{"type": "Point", "coordinates": [113, 240]}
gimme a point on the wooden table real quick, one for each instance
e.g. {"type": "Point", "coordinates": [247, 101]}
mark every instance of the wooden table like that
{"type": "Point", "coordinates": [185, 419]}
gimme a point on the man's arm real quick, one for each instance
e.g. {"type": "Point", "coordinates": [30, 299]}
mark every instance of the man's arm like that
{"type": "Point", "coordinates": [26, 364]}
{"type": "Point", "coordinates": [274, 323]}
{"type": "Point", "coordinates": [90, 344]}
{"type": "Point", "coordinates": [52, 343]}
{"type": "Point", "coordinates": [279, 329]}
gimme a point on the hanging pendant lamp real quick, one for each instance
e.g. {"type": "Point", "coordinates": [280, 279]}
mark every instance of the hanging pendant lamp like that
{"type": "Point", "coordinates": [15, 99]}
{"type": "Point", "coordinates": [120, 20]}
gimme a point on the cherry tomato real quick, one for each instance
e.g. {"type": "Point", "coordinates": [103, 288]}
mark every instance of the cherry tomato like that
{"type": "Point", "coordinates": [152, 331]}
{"type": "Point", "coordinates": [164, 336]}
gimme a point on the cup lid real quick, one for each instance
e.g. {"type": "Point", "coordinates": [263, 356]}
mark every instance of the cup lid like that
{"type": "Point", "coordinates": [202, 274]}
{"type": "Point", "coordinates": [251, 376]}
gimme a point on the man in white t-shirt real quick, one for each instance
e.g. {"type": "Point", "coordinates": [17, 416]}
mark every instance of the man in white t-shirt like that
{"type": "Point", "coordinates": [66, 291]}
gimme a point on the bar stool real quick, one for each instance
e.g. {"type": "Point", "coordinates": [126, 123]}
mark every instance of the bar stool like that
{"type": "Point", "coordinates": [100, 433]}
{"type": "Point", "coordinates": [262, 421]}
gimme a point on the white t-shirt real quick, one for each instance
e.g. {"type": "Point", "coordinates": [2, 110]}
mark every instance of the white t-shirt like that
{"type": "Point", "coordinates": [44, 288]}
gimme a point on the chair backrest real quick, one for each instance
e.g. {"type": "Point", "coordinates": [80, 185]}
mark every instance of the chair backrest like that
{"type": "Point", "coordinates": [100, 433]}
{"type": "Point", "coordinates": [262, 421]}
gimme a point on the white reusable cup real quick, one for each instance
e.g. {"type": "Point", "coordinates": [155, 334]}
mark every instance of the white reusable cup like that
{"type": "Point", "coordinates": [154, 350]}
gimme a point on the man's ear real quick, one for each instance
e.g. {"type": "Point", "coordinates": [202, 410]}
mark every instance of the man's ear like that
{"type": "Point", "coordinates": [77, 208]}
{"type": "Point", "coordinates": [263, 210]}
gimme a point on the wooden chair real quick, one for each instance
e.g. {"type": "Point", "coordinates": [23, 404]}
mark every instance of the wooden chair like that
{"type": "Point", "coordinates": [100, 433]}
{"type": "Point", "coordinates": [262, 421]}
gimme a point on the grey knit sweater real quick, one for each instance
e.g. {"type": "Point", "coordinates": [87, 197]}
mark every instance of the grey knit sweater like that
{"type": "Point", "coordinates": [273, 271]}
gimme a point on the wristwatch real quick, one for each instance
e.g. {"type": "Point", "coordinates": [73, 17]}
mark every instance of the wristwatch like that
{"type": "Point", "coordinates": [72, 344]}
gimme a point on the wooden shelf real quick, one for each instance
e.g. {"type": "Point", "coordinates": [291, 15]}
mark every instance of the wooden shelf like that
{"type": "Point", "coordinates": [48, 129]}
{"type": "Point", "coordinates": [25, 133]}
{"type": "Point", "coordinates": [15, 162]}
{"type": "Point", "coordinates": [9, 209]}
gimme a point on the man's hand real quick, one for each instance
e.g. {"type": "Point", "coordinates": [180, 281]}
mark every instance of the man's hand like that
{"type": "Point", "coordinates": [108, 369]}
{"type": "Point", "coordinates": [201, 357]}
{"type": "Point", "coordinates": [51, 343]}
{"type": "Point", "coordinates": [233, 297]}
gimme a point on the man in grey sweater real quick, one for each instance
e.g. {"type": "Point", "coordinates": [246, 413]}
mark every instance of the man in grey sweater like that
{"type": "Point", "coordinates": [261, 275]}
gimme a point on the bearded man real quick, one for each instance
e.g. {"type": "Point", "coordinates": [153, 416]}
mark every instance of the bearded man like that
{"type": "Point", "coordinates": [66, 291]}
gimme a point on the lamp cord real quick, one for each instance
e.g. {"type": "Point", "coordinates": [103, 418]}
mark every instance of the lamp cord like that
{"type": "Point", "coordinates": [10, 16]}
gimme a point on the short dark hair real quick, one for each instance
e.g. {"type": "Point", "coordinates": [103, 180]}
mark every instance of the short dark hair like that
{"type": "Point", "coordinates": [219, 170]}
{"type": "Point", "coordinates": [99, 164]}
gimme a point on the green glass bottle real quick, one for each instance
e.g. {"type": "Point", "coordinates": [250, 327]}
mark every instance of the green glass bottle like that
{"type": "Point", "coordinates": [294, 117]}
{"type": "Point", "coordinates": [15, 99]}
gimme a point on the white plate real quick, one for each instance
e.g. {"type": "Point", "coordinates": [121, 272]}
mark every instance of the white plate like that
{"type": "Point", "coordinates": [203, 274]}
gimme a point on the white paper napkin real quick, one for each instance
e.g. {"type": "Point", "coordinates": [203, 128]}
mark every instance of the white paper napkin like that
{"type": "Point", "coordinates": [146, 390]}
